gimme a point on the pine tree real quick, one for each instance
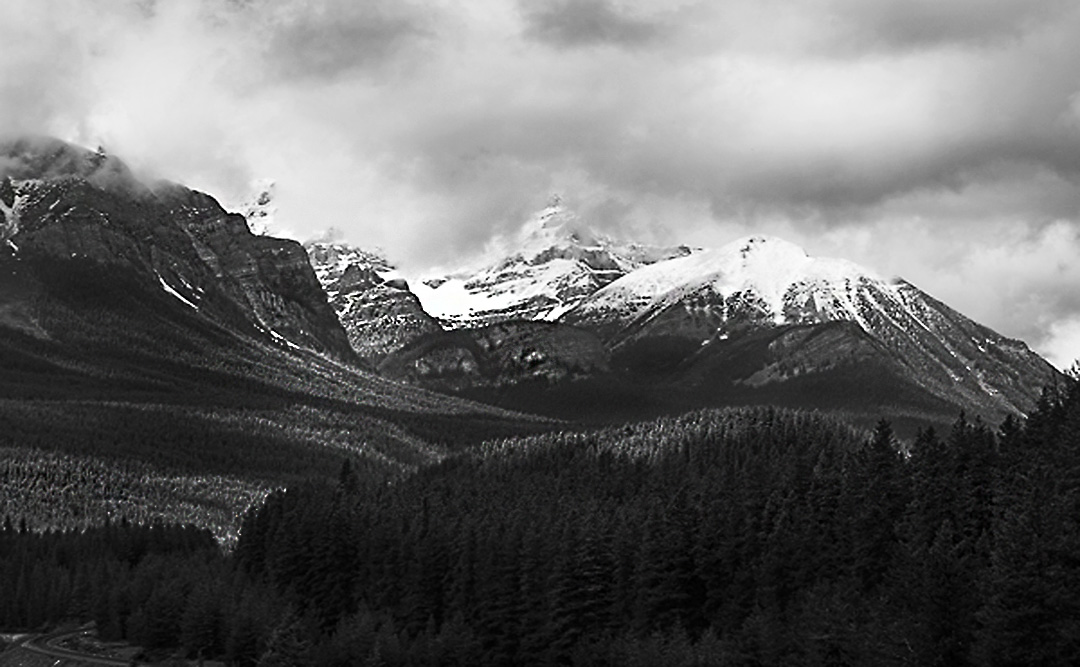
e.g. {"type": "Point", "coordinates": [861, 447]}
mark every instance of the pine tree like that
{"type": "Point", "coordinates": [287, 646]}
{"type": "Point", "coordinates": [582, 589]}
{"type": "Point", "coordinates": [201, 625]}
{"type": "Point", "coordinates": [666, 577]}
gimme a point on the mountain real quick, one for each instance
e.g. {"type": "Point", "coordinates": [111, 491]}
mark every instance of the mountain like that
{"type": "Point", "coordinates": [144, 329]}
{"type": "Point", "coordinates": [764, 284]}
{"type": "Point", "coordinates": [547, 268]}
{"type": "Point", "coordinates": [370, 299]}
{"type": "Point", "coordinates": [753, 282]}
{"type": "Point", "coordinates": [756, 321]}
{"type": "Point", "coordinates": [67, 205]}
{"type": "Point", "coordinates": [373, 302]}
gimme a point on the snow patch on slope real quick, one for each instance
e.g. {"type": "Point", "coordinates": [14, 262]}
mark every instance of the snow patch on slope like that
{"type": "Point", "coordinates": [10, 226]}
{"type": "Point", "coordinates": [331, 260]}
{"type": "Point", "coordinates": [169, 289]}
{"type": "Point", "coordinates": [277, 337]}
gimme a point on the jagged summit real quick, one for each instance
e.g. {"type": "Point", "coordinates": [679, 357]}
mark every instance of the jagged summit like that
{"type": "Point", "coordinates": [371, 298]}
{"type": "Point", "coordinates": [551, 262]}
{"type": "Point", "coordinates": [331, 259]}
{"type": "Point", "coordinates": [556, 224]}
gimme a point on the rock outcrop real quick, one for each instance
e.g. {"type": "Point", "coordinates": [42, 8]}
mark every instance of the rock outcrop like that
{"type": "Point", "coordinates": [375, 305]}
{"type": "Point", "coordinates": [497, 355]}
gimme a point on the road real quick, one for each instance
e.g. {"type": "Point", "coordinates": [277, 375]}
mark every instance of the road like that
{"type": "Point", "coordinates": [45, 645]}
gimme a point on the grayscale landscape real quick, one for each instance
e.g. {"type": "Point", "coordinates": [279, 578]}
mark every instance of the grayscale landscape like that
{"type": "Point", "coordinates": [568, 332]}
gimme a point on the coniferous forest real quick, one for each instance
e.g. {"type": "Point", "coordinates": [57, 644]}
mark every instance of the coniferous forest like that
{"type": "Point", "coordinates": [737, 537]}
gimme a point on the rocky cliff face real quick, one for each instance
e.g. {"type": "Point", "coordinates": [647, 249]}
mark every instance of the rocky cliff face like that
{"type": "Point", "coordinates": [374, 304]}
{"type": "Point", "coordinates": [496, 355]}
{"type": "Point", "coordinates": [67, 204]}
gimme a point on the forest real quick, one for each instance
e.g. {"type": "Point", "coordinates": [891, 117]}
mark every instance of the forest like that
{"type": "Point", "coordinates": [754, 536]}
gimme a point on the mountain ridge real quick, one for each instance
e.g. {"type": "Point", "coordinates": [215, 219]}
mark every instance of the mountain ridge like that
{"type": "Point", "coordinates": [543, 270]}
{"type": "Point", "coordinates": [69, 203]}
{"type": "Point", "coordinates": [665, 314]}
{"type": "Point", "coordinates": [372, 300]}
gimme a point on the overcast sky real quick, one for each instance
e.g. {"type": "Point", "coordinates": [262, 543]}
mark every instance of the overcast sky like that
{"type": "Point", "coordinates": [937, 140]}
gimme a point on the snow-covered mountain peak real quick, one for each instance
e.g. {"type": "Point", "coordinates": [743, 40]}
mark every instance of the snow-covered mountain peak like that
{"type": "Point", "coordinates": [547, 266]}
{"type": "Point", "coordinates": [766, 264]}
{"type": "Point", "coordinates": [373, 301]}
{"type": "Point", "coordinates": [756, 278]}
{"type": "Point", "coordinates": [772, 265]}
{"type": "Point", "coordinates": [556, 226]}
{"type": "Point", "coordinates": [762, 247]}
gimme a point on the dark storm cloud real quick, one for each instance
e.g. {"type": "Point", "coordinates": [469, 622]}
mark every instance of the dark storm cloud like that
{"type": "Point", "coordinates": [916, 24]}
{"type": "Point", "coordinates": [576, 23]}
{"type": "Point", "coordinates": [329, 39]}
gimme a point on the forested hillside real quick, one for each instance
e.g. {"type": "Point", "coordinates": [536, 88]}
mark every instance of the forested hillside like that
{"type": "Point", "coordinates": [740, 537]}
{"type": "Point", "coordinates": [73, 463]}
{"type": "Point", "coordinates": [163, 587]}
{"type": "Point", "coordinates": [75, 492]}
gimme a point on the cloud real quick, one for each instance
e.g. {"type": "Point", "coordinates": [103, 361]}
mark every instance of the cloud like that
{"type": "Point", "coordinates": [1062, 347]}
{"type": "Point", "coordinates": [578, 23]}
{"type": "Point", "coordinates": [328, 40]}
{"type": "Point", "coordinates": [36, 156]}
{"type": "Point", "coordinates": [917, 24]}
{"type": "Point", "coordinates": [1020, 279]}
{"type": "Point", "coordinates": [922, 138]}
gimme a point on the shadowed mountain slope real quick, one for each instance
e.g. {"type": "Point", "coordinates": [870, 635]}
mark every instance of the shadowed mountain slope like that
{"type": "Point", "coordinates": [142, 322]}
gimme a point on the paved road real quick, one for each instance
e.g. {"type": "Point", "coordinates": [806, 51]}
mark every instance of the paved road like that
{"type": "Point", "coordinates": [45, 645]}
